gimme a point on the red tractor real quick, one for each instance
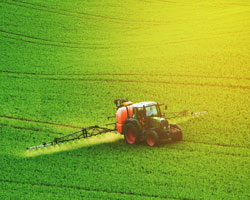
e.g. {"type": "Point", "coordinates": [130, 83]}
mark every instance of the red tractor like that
{"type": "Point", "coordinates": [138, 122]}
{"type": "Point", "coordinates": [144, 121]}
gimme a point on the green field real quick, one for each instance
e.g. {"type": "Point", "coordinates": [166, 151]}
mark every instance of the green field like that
{"type": "Point", "coordinates": [62, 64]}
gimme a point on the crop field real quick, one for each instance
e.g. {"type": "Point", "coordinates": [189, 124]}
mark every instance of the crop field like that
{"type": "Point", "coordinates": [62, 64]}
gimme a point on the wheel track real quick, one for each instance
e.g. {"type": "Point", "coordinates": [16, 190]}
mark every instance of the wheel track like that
{"type": "Point", "coordinates": [69, 126]}
{"type": "Point", "coordinates": [176, 149]}
{"type": "Point", "coordinates": [90, 190]}
{"type": "Point", "coordinates": [46, 9]}
{"type": "Point", "coordinates": [39, 122]}
{"type": "Point", "coordinates": [46, 40]}
{"type": "Point", "coordinates": [65, 44]}
{"type": "Point", "coordinates": [51, 44]}
{"type": "Point", "coordinates": [29, 129]}
{"type": "Point", "coordinates": [214, 153]}
{"type": "Point", "coordinates": [38, 42]}
{"type": "Point", "coordinates": [131, 74]}
{"type": "Point", "coordinates": [217, 144]}
{"type": "Point", "coordinates": [138, 81]}
{"type": "Point", "coordinates": [77, 14]}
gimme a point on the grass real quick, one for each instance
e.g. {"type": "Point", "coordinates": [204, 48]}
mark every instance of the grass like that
{"type": "Point", "coordinates": [62, 65]}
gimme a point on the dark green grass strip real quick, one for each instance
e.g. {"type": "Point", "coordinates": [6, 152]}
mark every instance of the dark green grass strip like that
{"type": "Point", "coordinates": [42, 39]}
{"type": "Point", "coordinates": [217, 144]}
{"type": "Point", "coordinates": [28, 129]}
{"type": "Point", "coordinates": [28, 5]}
{"type": "Point", "coordinates": [129, 74]}
{"type": "Point", "coordinates": [77, 14]}
{"type": "Point", "coordinates": [178, 149]}
{"type": "Point", "coordinates": [24, 39]}
{"type": "Point", "coordinates": [93, 190]}
{"type": "Point", "coordinates": [137, 81]}
{"type": "Point", "coordinates": [39, 122]}
{"type": "Point", "coordinates": [66, 13]}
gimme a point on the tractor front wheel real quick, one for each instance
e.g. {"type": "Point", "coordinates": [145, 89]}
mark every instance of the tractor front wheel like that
{"type": "Point", "coordinates": [152, 138]}
{"type": "Point", "coordinates": [131, 134]}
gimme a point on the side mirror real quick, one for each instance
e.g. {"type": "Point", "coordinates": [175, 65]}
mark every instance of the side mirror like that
{"type": "Point", "coordinates": [166, 107]}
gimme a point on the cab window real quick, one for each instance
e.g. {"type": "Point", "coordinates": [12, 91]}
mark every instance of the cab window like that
{"type": "Point", "coordinates": [138, 113]}
{"type": "Point", "coordinates": [151, 111]}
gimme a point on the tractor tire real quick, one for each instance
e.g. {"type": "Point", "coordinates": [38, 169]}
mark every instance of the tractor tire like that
{"type": "Point", "coordinates": [131, 133]}
{"type": "Point", "coordinates": [178, 135]}
{"type": "Point", "coordinates": [152, 138]}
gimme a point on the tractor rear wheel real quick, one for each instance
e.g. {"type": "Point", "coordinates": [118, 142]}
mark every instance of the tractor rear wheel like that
{"type": "Point", "coordinates": [152, 138]}
{"type": "Point", "coordinates": [131, 133]}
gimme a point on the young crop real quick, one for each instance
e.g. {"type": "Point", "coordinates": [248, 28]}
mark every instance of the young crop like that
{"type": "Point", "coordinates": [62, 66]}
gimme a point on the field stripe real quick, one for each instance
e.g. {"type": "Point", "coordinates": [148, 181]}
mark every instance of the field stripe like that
{"type": "Point", "coordinates": [70, 126]}
{"type": "Point", "coordinates": [29, 129]}
{"type": "Point", "coordinates": [81, 15]}
{"type": "Point", "coordinates": [92, 190]}
{"type": "Point", "coordinates": [216, 144]}
{"type": "Point", "coordinates": [40, 41]}
{"type": "Point", "coordinates": [45, 40]}
{"type": "Point", "coordinates": [20, 128]}
{"type": "Point", "coordinates": [138, 81]}
{"type": "Point", "coordinates": [39, 122]}
{"type": "Point", "coordinates": [27, 5]}
{"type": "Point", "coordinates": [216, 153]}
{"type": "Point", "coordinates": [175, 149]}
{"type": "Point", "coordinates": [131, 74]}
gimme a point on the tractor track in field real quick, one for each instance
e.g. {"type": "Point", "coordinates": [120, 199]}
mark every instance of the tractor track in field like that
{"type": "Point", "coordinates": [212, 153]}
{"type": "Point", "coordinates": [29, 129]}
{"type": "Point", "coordinates": [69, 126]}
{"type": "Point", "coordinates": [46, 40]}
{"type": "Point", "coordinates": [137, 81]}
{"type": "Point", "coordinates": [215, 144]}
{"type": "Point", "coordinates": [175, 149]}
{"type": "Point", "coordinates": [53, 10]}
{"type": "Point", "coordinates": [90, 190]}
{"type": "Point", "coordinates": [21, 128]}
{"type": "Point", "coordinates": [47, 44]}
{"type": "Point", "coordinates": [39, 122]}
{"type": "Point", "coordinates": [63, 44]}
{"type": "Point", "coordinates": [80, 15]}
{"type": "Point", "coordinates": [131, 74]}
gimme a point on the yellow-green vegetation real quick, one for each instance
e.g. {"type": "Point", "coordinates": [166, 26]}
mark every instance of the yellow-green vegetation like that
{"type": "Point", "coordinates": [62, 63]}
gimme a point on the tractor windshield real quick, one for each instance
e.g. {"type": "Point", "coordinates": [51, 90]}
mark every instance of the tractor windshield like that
{"type": "Point", "coordinates": [152, 111]}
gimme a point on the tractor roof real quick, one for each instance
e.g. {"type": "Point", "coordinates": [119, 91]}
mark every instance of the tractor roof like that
{"type": "Point", "coordinates": [141, 104]}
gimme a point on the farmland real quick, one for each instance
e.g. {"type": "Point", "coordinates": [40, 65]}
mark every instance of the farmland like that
{"type": "Point", "coordinates": [62, 64]}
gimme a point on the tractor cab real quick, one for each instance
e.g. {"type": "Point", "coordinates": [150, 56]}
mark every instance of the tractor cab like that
{"type": "Point", "coordinates": [149, 115]}
{"type": "Point", "coordinates": [146, 110]}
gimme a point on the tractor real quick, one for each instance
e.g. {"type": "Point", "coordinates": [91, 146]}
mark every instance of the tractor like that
{"type": "Point", "coordinates": [138, 122]}
{"type": "Point", "coordinates": [144, 122]}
